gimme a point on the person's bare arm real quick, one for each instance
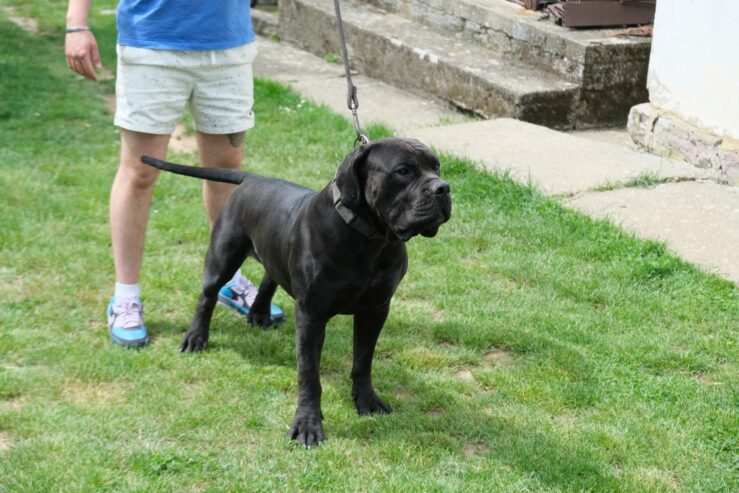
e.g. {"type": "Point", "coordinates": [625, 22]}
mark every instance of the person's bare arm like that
{"type": "Point", "coordinates": [80, 47]}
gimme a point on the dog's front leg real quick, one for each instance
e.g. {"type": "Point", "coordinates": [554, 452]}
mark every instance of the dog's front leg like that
{"type": "Point", "coordinates": [310, 332]}
{"type": "Point", "coordinates": [367, 327]}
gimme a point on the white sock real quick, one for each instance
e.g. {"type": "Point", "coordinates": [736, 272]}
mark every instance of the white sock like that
{"type": "Point", "coordinates": [123, 291]}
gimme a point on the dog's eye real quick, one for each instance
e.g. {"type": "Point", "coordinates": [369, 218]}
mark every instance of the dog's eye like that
{"type": "Point", "coordinates": [403, 171]}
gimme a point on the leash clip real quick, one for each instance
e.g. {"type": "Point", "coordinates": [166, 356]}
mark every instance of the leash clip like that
{"type": "Point", "coordinates": [351, 99]}
{"type": "Point", "coordinates": [361, 139]}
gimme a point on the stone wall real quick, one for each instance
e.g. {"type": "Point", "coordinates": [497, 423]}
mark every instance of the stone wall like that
{"type": "Point", "coordinates": [668, 134]}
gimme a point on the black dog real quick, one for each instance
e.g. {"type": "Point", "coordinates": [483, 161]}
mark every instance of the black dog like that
{"type": "Point", "coordinates": [337, 251]}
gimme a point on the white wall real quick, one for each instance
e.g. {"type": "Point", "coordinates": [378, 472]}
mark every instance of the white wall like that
{"type": "Point", "coordinates": [694, 66]}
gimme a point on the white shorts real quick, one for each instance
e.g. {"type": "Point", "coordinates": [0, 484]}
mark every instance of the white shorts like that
{"type": "Point", "coordinates": [153, 87]}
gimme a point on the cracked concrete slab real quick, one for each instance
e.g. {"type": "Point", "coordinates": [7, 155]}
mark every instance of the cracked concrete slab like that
{"type": "Point", "coordinates": [556, 162]}
{"type": "Point", "coordinates": [698, 220]}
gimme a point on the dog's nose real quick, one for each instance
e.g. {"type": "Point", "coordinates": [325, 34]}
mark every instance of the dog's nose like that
{"type": "Point", "coordinates": [437, 187]}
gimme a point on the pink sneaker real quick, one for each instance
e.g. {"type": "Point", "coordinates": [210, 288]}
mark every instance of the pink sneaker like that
{"type": "Point", "coordinates": [126, 322]}
{"type": "Point", "coordinates": [240, 295]}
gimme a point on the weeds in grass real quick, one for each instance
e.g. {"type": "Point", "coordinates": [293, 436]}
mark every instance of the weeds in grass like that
{"type": "Point", "coordinates": [645, 179]}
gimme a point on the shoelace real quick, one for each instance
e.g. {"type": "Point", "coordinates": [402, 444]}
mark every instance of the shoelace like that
{"type": "Point", "coordinates": [128, 313]}
{"type": "Point", "coordinates": [246, 289]}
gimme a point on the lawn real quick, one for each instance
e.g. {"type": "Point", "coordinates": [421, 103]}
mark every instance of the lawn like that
{"type": "Point", "coordinates": [529, 348]}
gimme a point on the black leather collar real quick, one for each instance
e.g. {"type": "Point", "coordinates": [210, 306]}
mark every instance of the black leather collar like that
{"type": "Point", "coordinates": [350, 217]}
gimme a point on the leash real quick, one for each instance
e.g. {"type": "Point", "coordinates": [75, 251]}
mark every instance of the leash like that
{"type": "Point", "coordinates": [347, 215]}
{"type": "Point", "coordinates": [351, 99]}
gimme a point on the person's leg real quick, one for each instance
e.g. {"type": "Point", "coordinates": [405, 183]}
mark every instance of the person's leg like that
{"type": "Point", "coordinates": [219, 151]}
{"type": "Point", "coordinates": [151, 95]}
{"type": "Point", "coordinates": [152, 91]}
{"type": "Point", "coordinates": [222, 107]}
{"type": "Point", "coordinates": [130, 199]}
{"type": "Point", "coordinates": [226, 151]}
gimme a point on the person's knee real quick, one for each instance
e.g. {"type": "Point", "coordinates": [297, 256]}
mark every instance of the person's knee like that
{"type": "Point", "coordinates": [132, 171]}
{"type": "Point", "coordinates": [139, 177]}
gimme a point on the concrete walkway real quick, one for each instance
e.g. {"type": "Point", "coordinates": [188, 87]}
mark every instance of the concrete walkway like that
{"type": "Point", "coordinates": [590, 171]}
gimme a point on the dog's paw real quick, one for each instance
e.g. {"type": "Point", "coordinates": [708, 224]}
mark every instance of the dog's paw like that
{"type": "Point", "coordinates": [307, 429]}
{"type": "Point", "coordinates": [368, 403]}
{"type": "Point", "coordinates": [259, 319]}
{"type": "Point", "coordinates": [194, 342]}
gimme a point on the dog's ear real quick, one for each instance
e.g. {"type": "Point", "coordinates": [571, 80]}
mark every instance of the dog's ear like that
{"type": "Point", "coordinates": [348, 177]}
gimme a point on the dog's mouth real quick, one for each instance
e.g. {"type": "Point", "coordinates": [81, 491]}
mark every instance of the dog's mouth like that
{"type": "Point", "coordinates": [425, 220]}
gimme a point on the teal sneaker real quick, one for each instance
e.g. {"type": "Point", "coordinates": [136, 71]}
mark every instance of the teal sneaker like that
{"type": "Point", "coordinates": [126, 322]}
{"type": "Point", "coordinates": [239, 295]}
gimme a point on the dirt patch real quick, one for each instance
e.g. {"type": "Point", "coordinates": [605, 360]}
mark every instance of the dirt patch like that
{"type": "Point", "coordinates": [104, 73]}
{"type": "Point", "coordinates": [26, 23]}
{"type": "Point", "coordinates": [566, 420]}
{"type": "Point", "coordinates": [88, 394]}
{"type": "Point", "coordinates": [434, 412]}
{"type": "Point", "coordinates": [465, 375]}
{"type": "Point", "coordinates": [475, 449]}
{"type": "Point", "coordinates": [401, 394]}
{"type": "Point", "coordinates": [423, 305]}
{"type": "Point", "coordinates": [708, 382]}
{"type": "Point", "coordinates": [497, 357]}
{"type": "Point", "coordinates": [11, 404]}
{"type": "Point", "coordinates": [181, 141]}
{"type": "Point", "coordinates": [655, 476]}
{"type": "Point", "coordinates": [4, 442]}
{"type": "Point", "coordinates": [110, 102]}
{"type": "Point", "coordinates": [12, 285]}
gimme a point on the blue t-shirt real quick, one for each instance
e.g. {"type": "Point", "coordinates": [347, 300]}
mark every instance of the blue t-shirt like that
{"type": "Point", "coordinates": [184, 24]}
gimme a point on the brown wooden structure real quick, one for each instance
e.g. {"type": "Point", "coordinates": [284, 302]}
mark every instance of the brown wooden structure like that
{"type": "Point", "coordinates": [596, 13]}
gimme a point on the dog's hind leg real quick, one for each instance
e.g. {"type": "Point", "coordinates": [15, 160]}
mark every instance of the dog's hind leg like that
{"type": "Point", "coordinates": [259, 311]}
{"type": "Point", "coordinates": [367, 327]}
{"type": "Point", "coordinates": [225, 255]}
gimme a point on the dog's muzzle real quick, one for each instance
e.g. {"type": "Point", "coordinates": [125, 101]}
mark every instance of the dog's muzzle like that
{"type": "Point", "coordinates": [431, 210]}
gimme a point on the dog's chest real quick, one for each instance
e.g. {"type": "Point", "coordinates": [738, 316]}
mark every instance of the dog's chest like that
{"type": "Point", "coordinates": [350, 286]}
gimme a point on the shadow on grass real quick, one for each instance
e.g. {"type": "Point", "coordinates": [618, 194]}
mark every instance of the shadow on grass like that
{"type": "Point", "coordinates": [427, 415]}
{"type": "Point", "coordinates": [431, 416]}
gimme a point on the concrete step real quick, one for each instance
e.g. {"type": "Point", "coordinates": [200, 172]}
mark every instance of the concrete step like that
{"type": "Point", "coordinates": [265, 20]}
{"type": "Point", "coordinates": [324, 83]}
{"type": "Point", "coordinates": [591, 56]}
{"type": "Point", "coordinates": [469, 49]}
{"type": "Point", "coordinates": [418, 58]}
{"type": "Point", "coordinates": [611, 70]}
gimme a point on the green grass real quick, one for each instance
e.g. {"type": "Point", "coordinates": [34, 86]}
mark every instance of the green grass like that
{"type": "Point", "coordinates": [529, 348]}
{"type": "Point", "coordinates": [645, 179]}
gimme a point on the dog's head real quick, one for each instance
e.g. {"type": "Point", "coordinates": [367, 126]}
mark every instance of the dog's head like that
{"type": "Point", "coordinates": [397, 182]}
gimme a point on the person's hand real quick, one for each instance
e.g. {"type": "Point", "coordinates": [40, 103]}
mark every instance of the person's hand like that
{"type": "Point", "coordinates": [82, 53]}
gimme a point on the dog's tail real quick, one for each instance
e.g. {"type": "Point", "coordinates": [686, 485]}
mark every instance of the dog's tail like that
{"type": "Point", "coordinates": [224, 175]}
